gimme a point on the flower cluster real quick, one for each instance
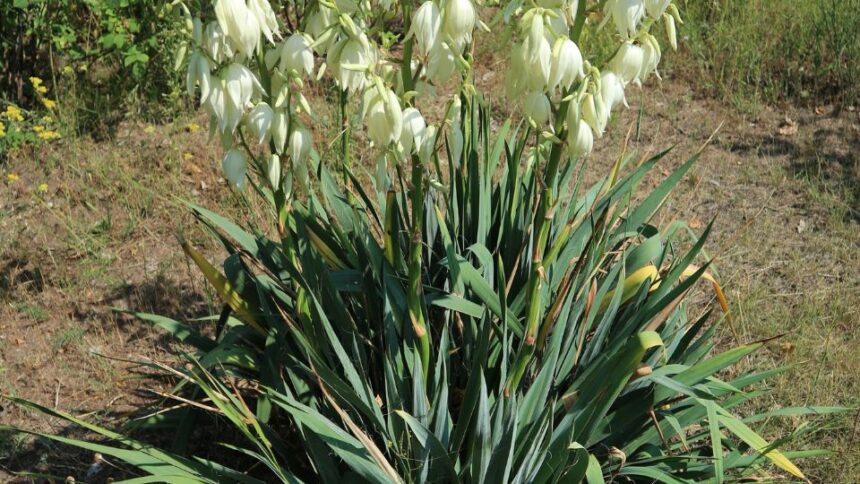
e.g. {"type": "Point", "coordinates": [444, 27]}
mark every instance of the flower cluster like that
{"type": "Point", "coordinates": [250, 71]}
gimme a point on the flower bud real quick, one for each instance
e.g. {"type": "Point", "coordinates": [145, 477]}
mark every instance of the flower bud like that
{"type": "Point", "coordinates": [671, 33]}
{"type": "Point", "coordinates": [280, 129]}
{"type": "Point", "coordinates": [259, 121]}
{"type": "Point", "coordinates": [651, 57]}
{"type": "Point", "coordinates": [580, 140]}
{"type": "Point", "coordinates": [384, 118]}
{"type": "Point", "coordinates": [536, 107]}
{"type": "Point", "coordinates": [296, 55]}
{"type": "Point", "coordinates": [459, 21]}
{"type": "Point", "coordinates": [594, 113]}
{"type": "Point", "coordinates": [273, 171]}
{"type": "Point", "coordinates": [628, 61]}
{"type": "Point", "coordinates": [234, 166]}
{"type": "Point", "coordinates": [301, 143]}
{"type": "Point", "coordinates": [566, 64]}
{"type": "Point", "coordinates": [426, 26]}
{"type": "Point", "coordinates": [626, 14]}
{"type": "Point", "coordinates": [413, 129]}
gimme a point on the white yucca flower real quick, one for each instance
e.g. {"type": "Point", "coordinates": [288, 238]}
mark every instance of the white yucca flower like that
{"type": "Point", "coordinates": [536, 107]}
{"type": "Point", "coordinates": [413, 130]}
{"type": "Point", "coordinates": [626, 14]}
{"type": "Point", "coordinates": [441, 64]}
{"type": "Point", "coordinates": [349, 60]}
{"type": "Point", "coordinates": [215, 43]}
{"type": "Point", "coordinates": [262, 10]}
{"type": "Point", "coordinates": [384, 118]}
{"type": "Point", "coordinates": [426, 26]}
{"type": "Point", "coordinates": [301, 143]}
{"type": "Point", "coordinates": [628, 61]}
{"type": "Point", "coordinates": [655, 8]}
{"type": "Point", "coordinates": [459, 21]}
{"type": "Point", "coordinates": [580, 140]}
{"type": "Point", "coordinates": [651, 57]}
{"type": "Point", "coordinates": [296, 55]}
{"type": "Point", "coordinates": [198, 75]}
{"type": "Point", "coordinates": [319, 27]}
{"type": "Point", "coordinates": [259, 121]}
{"type": "Point", "coordinates": [566, 66]}
{"type": "Point", "coordinates": [611, 91]}
{"type": "Point", "coordinates": [241, 85]}
{"type": "Point", "coordinates": [234, 166]}
{"type": "Point", "coordinates": [426, 144]}
{"type": "Point", "coordinates": [239, 24]}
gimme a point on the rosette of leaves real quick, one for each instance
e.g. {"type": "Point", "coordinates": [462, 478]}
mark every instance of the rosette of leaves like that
{"type": "Point", "coordinates": [560, 338]}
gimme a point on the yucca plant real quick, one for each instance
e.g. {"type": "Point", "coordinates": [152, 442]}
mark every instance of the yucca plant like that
{"type": "Point", "coordinates": [481, 313]}
{"type": "Point", "coordinates": [561, 346]}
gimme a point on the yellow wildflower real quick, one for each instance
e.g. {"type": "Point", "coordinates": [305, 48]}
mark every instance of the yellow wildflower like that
{"type": "Point", "coordinates": [12, 177]}
{"type": "Point", "coordinates": [36, 81]}
{"type": "Point", "coordinates": [2, 130]}
{"type": "Point", "coordinates": [13, 113]}
{"type": "Point", "coordinates": [49, 135]}
{"type": "Point", "coordinates": [43, 188]}
{"type": "Point", "coordinates": [187, 156]}
{"type": "Point", "coordinates": [49, 103]}
{"type": "Point", "coordinates": [67, 70]}
{"type": "Point", "coordinates": [149, 129]}
{"type": "Point", "coordinates": [47, 119]}
{"type": "Point", "coordinates": [193, 127]}
{"type": "Point", "coordinates": [38, 128]}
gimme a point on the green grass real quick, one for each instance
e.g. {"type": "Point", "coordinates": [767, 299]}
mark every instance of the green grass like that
{"type": "Point", "coordinates": [764, 51]}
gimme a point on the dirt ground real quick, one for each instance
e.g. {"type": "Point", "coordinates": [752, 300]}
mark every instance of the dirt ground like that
{"type": "Point", "coordinates": [784, 187]}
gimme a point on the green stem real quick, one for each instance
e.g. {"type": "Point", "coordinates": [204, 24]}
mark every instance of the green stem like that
{"type": "Point", "coordinates": [416, 312]}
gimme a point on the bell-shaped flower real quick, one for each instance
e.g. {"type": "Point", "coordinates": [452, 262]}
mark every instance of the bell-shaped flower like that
{"type": "Point", "coordinates": [426, 26]}
{"type": "Point", "coordinates": [349, 60]}
{"type": "Point", "coordinates": [265, 16]}
{"type": "Point", "coordinates": [383, 118]}
{"type": "Point", "coordinates": [612, 91]}
{"type": "Point", "coordinates": [536, 107]}
{"type": "Point", "coordinates": [441, 64]}
{"type": "Point", "coordinates": [215, 43]}
{"type": "Point", "coordinates": [280, 129]}
{"type": "Point", "coordinates": [655, 8]}
{"type": "Point", "coordinates": [537, 55]}
{"type": "Point", "coordinates": [413, 129]}
{"type": "Point", "coordinates": [301, 143]}
{"type": "Point", "coordinates": [426, 143]}
{"type": "Point", "coordinates": [234, 166]}
{"type": "Point", "coordinates": [651, 57]}
{"type": "Point", "coordinates": [459, 21]}
{"type": "Point", "coordinates": [566, 65]}
{"type": "Point", "coordinates": [628, 61]}
{"type": "Point", "coordinates": [626, 14]}
{"type": "Point", "coordinates": [198, 74]}
{"type": "Point", "coordinates": [241, 85]}
{"type": "Point", "coordinates": [239, 24]}
{"type": "Point", "coordinates": [319, 27]}
{"type": "Point", "coordinates": [259, 121]}
{"type": "Point", "coordinates": [580, 140]}
{"type": "Point", "coordinates": [273, 171]}
{"type": "Point", "coordinates": [296, 55]}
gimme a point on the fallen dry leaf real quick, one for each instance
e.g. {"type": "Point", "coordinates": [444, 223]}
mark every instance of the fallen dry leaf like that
{"type": "Point", "coordinates": [788, 127]}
